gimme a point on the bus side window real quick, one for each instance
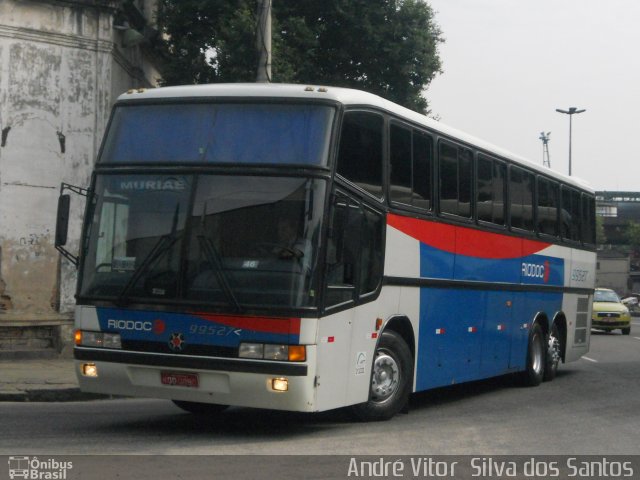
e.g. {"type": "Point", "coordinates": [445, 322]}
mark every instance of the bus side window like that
{"type": "Point", "coordinates": [490, 190]}
{"type": "Point", "coordinates": [547, 207]}
{"type": "Point", "coordinates": [588, 219]}
{"type": "Point", "coordinates": [371, 252]}
{"type": "Point", "coordinates": [360, 155]}
{"type": "Point", "coordinates": [521, 183]}
{"type": "Point", "coordinates": [456, 174]}
{"type": "Point", "coordinates": [354, 252]}
{"type": "Point", "coordinates": [410, 158]}
{"type": "Point", "coordinates": [571, 214]}
{"type": "Point", "coordinates": [339, 265]}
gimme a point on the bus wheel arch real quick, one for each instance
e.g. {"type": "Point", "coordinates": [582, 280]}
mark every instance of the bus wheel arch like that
{"type": "Point", "coordinates": [391, 373]}
{"type": "Point", "coordinates": [402, 326]}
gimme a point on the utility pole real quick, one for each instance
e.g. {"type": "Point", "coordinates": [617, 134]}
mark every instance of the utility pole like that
{"type": "Point", "coordinates": [263, 41]}
{"type": "Point", "coordinates": [546, 160]}
{"type": "Point", "coordinates": [571, 112]}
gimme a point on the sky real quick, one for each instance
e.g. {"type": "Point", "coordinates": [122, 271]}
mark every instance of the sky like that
{"type": "Point", "coordinates": [508, 64]}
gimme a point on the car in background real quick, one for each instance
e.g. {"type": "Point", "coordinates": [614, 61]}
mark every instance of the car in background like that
{"type": "Point", "coordinates": [609, 313]}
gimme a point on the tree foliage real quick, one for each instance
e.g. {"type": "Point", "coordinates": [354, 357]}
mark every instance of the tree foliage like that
{"type": "Point", "coordinates": [601, 237]}
{"type": "Point", "coordinates": [388, 47]}
{"type": "Point", "coordinates": [632, 235]}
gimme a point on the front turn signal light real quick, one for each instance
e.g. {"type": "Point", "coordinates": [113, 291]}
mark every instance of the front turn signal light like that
{"type": "Point", "coordinates": [297, 353]}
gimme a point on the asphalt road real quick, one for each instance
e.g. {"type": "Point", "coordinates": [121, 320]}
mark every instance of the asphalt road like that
{"type": "Point", "coordinates": [591, 407]}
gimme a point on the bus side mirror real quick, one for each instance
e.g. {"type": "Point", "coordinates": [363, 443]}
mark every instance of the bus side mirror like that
{"type": "Point", "coordinates": [62, 221]}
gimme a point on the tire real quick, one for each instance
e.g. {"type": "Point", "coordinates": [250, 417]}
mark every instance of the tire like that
{"type": "Point", "coordinates": [626, 331]}
{"type": "Point", "coordinates": [536, 357]}
{"type": "Point", "coordinates": [200, 408]}
{"type": "Point", "coordinates": [554, 354]}
{"type": "Point", "coordinates": [391, 380]}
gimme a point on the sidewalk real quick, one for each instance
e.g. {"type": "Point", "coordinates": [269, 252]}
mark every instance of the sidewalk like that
{"type": "Point", "coordinates": [40, 380]}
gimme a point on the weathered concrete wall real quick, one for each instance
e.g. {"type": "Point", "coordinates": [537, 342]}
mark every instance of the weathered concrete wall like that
{"type": "Point", "coordinates": [60, 69]}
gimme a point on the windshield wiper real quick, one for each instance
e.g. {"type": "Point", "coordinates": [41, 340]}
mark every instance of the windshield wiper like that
{"type": "Point", "coordinates": [164, 243]}
{"type": "Point", "coordinates": [213, 258]}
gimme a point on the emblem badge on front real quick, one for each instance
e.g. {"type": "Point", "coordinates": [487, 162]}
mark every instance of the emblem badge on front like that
{"type": "Point", "coordinates": [176, 342]}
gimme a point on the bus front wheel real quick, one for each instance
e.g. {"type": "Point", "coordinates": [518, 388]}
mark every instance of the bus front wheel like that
{"type": "Point", "coordinates": [391, 379]}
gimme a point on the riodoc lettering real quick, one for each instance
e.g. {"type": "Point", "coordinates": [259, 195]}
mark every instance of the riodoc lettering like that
{"type": "Point", "coordinates": [130, 325]}
{"type": "Point", "coordinates": [537, 270]}
{"type": "Point", "coordinates": [533, 270]}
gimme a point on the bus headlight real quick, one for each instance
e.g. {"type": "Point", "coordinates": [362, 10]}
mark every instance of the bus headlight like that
{"type": "Point", "coordinates": [98, 339]}
{"type": "Point", "coordinates": [251, 350]}
{"type": "Point", "coordinates": [276, 352]}
{"type": "Point", "coordinates": [267, 351]}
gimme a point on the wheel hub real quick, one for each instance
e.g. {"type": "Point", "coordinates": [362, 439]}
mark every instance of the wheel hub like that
{"type": "Point", "coordinates": [386, 374]}
{"type": "Point", "coordinates": [554, 350]}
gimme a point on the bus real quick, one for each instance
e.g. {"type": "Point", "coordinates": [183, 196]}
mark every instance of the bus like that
{"type": "Point", "coordinates": [307, 248]}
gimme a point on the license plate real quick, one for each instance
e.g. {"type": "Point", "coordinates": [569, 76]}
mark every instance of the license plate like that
{"type": "Point", "coordinates": [179, 379]}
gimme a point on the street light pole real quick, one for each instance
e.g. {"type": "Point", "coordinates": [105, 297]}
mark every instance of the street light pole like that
{"type": "Point", "coordinates": [570, 112]}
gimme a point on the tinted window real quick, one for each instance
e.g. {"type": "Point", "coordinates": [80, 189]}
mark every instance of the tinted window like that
{"type": "Point", "coordinates": [491, 183]}
{"type": "Point", "coordinates": [521, 198]}
{"type": "Point", "coordinates": [219, 133]}
{"type": "Point", "coordinates": [547, 207]}
{"type": "Point", "coordinates": [455, 176]}
{"type": "Point", "coordinates": [422, 160]}
{"type": "Point", "coordinates": [570, 215]}
{"type": "Point", "coordinates": [400, 157]}
{"type": "Point", "coordinates": [360, 155]}
{"type": "Point", "coordinates": [354, 251]}
{"type": "Point", "coordinates": [410, 159]}
{"type": "Point", "coordinates": [588, 219]}
{"type": "Point", "coordinates": [225, 240]}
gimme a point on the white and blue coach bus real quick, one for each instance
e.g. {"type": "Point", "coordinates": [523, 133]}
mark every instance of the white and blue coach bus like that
{"type": "Point", "coordinates": [307, 248]}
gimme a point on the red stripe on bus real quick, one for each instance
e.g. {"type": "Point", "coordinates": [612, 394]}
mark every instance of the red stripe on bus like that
{"type": "Point", "coordinates": [465, 241]}
{"type": "Point", "coordinates": [285, 326]}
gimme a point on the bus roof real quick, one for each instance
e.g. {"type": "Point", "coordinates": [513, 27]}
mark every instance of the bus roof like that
{"type": "Point", "coordinates": [344, 96]}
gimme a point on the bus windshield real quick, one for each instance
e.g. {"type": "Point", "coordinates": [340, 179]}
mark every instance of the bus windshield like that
{"type": "Point", "coordinates": [228, 241]}
{"type": "Point", "coordinates": [196, 133]}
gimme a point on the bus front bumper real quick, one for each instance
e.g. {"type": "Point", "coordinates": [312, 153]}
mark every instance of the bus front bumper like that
{"type": "Point", "coordinates": [225, 381]}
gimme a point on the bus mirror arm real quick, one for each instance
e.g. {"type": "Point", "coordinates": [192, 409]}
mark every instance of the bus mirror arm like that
{"type": "Point", "coordinates": [62, 220]}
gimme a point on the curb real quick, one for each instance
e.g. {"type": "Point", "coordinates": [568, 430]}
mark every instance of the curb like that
{"type": "Point", "coordinates": [51, 395]}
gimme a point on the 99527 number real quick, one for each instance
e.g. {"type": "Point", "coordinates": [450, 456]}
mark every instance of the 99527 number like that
{"type": "Point", "coordinates": [217, 330]}
{"type": "Point", "coordinates": [578, 275]}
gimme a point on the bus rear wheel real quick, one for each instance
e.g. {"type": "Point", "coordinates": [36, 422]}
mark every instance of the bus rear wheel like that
{"type": "Point", "coordinates": [198, 408]}
{"type": "Point", "coordinates": [536, 357]}
{"type": "Point", "coordinates": [391, 379]}
{"type": "Point", "coordinates": [554, 354]}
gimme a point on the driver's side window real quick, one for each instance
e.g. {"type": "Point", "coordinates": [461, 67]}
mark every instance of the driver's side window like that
{"type": "Point", "coordinates": [354, 251]}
